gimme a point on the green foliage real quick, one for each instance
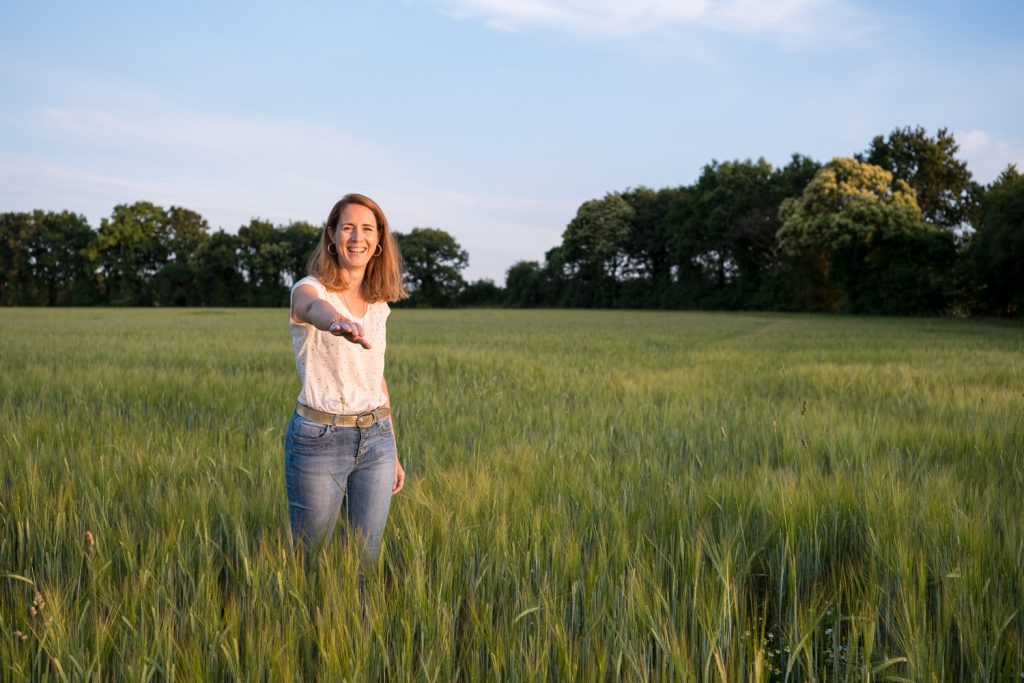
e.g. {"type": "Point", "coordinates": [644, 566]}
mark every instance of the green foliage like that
{"type": "Point", "coordinates": [263, 257]}
{"type": "Point", "coordinates": [144, 255]}
{"type": "Point", "coordinates": [217, 276]}
{"type": "Point", "coordinates": [706, 497]}
{"type": "Point", "coordinates": [647, 247]}
{"type": "Point", "coordinates": [855, 223]}
{"type": "Point", "coordinates": [595, 247]}
{"type": "Point", "coordinates": [942, 183]}
{"type": "Point", "coordinates": [186, 230]}
{"type": "Point", "coordinates": [723, 233]}
{"type": "Point", "coordinates": [522, 284]}
{"type": "Point", "coordinates": [433, 266]}
{"type": "Point", "coordinates": [482, 293]}
{"type": "Point", "coordinates": [131, 247]}
{"type": "Point", "coordinates": [300, 239]}
{"type": "Point", "coordinates": [996, 250]}
{"type": "Point", "coordinates": [17, 280]}
{"type": "Point", "coordinates": [44, 259]}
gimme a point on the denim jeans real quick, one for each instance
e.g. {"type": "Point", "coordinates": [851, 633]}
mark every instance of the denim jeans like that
{"type": "Point", "coordinates": [329, 469]}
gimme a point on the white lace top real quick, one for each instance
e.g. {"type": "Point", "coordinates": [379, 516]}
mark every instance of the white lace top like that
{"type": "Point", "coordinates": [339, 376]}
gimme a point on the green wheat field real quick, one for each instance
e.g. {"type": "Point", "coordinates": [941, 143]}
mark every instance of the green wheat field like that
{"type": "Point", "coordinates": [591, 496]}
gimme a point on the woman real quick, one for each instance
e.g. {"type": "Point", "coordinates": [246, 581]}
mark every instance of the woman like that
{"type": "Point", "coordinates": [340, 449]}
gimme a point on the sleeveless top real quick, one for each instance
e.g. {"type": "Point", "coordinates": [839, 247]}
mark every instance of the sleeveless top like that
{"type": "Point", "coordinates": [338, 376]}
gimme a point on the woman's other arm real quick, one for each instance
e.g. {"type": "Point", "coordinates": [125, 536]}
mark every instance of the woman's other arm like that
{"type": "Point", "coordinates": [399, 481]}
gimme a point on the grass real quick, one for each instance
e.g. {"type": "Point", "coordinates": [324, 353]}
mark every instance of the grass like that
{"type": "Point", "coordinates": [591, 496]}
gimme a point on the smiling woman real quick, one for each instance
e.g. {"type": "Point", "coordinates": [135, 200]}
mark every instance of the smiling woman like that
{"type": "Point", "coordinates": [340, 449]}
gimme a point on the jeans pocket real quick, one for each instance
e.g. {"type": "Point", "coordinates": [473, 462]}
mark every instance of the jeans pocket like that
{"type": "Point", "coordinates": [385, 426]}
{"type": "Point", "coordinates": [308, 433]}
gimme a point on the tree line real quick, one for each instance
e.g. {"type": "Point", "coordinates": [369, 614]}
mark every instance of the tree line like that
{"type": "Point", "coordinates": [899, 228]}
{"type": "Point", "coordinates": [145, 255]}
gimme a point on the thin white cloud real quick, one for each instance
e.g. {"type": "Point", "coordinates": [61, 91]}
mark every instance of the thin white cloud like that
{"type": "Point", "coordinates": [987, 155]}
{"type": "Point", "coordinates": [170, 134]}
{"type": "Point", "coordinates": [790, 22]}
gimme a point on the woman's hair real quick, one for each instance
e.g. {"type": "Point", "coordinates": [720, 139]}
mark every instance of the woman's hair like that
{"type": "Point", "coordinates": [383, 279]}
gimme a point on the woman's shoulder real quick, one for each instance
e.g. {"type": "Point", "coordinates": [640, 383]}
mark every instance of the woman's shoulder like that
{"type": "Point", "coordinates": [312, 281]}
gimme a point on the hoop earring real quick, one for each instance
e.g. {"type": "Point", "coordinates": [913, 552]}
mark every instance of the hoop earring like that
{"type": "Point", "coordinates": [380, 250]}
{"type": "Point", "coordinates": [331, 249]}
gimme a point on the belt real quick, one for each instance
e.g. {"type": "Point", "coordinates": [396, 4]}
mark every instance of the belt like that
{"type": "Point", "coordinates": [362, 420]}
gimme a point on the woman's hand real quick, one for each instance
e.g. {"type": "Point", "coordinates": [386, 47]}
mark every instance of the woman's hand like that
{"type": "Point", "coordinates": [399, 477]}
{"type": "Point", "coordinates": [349, 330]}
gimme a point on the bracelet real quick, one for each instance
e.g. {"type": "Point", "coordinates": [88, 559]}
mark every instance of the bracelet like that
{"type": "Point", "coordinates": [337, 318]}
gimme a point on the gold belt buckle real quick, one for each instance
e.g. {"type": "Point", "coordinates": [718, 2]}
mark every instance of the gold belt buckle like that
{"type": "Point", "coordinates": [365, 420]}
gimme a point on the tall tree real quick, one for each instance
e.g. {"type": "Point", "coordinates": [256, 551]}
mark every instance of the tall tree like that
{"type": "Point", "coordinates": [929, 165]}
{"type": "Point", "coordinates": [131, 247]}
{"type": "Point", "coordinates": [728, 230]}
{"type": "Point", "coordinates": [864, 230]}
{"type": "Point", "coordinates": [996, 249]}
{"type": "Point", "coordinates": [175, 284]}
{"type": "Point", "coordinates": [721, 232]}
{"type": "Point", "coordinates": [433, 266]}
{"type": "Point", "coordinates": [218, 274]}
{"type": "Point", "coordinates": [186, 230]}
{"type": "Point", "coordinates": [649, 258]}
{"type": "Point", "coordinates": [300, 239]}
{"type": "Point", "coordinates": [483, 293]}
{"type": "Point", "coordinates": [522, 284]}
{"type": "Point", "coordinates": [18, 286]}
{"type": "Point", "coordinates": [596, 249]}
{"type": "Point", "coordinates": [62, 265]}
{"type": "Point", "coordinates": [263, 257]}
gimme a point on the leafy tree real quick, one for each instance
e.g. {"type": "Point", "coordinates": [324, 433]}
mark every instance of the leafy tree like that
{"type": "Point", "coordinates": [218, 276]}
{"type": "Point", "coordinates": [522, 284]}
{"type": "Point", "coordinates": [596, 250]}
{"type": "Point", "coordinates": [61, 263]}
{"type": "Point", "coordinates": [864, 230]}
{"type": "Point", "coordinates": [721, 231]}
{"type": "Point", "coordinates": [726, 233]}
{"type": "Point", "coordinates": [263, 257]}
{"type": "Point", "coordinates": [185, 231]}
{"type": "Point", "coordinates": [18, 286]}
{"type": "Point", "coordinates": [647, 247]}
{"type": "Point", "coordinates": [300, 239]}
{"type": "Point", "coordinates": [552, 285]}
{"type": "Point", "coordinates": [433, 266]}
{"type": "Point", "coordinates": [772, 284]}
{"type": "Point", "coordinates": [130, 248]}
{"type": "Point", "coordinates": [175, 284]}
{"type": "Point", "coordinates": [997, 247]}
{"type": "Point", "coordinates": [929, 165]}
{"type": "Point", "coordinates": [481, 293]}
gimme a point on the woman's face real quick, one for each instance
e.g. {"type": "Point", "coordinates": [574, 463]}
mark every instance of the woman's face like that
{"type": "Point", "coordinates": [356, 237]}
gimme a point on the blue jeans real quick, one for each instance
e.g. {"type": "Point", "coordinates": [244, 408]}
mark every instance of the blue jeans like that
{"type": "Point", "coordinates": [327, 469]}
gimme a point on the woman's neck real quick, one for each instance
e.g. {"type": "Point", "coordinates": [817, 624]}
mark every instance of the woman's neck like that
{"type": "Point", "coordinates": [352, 281]}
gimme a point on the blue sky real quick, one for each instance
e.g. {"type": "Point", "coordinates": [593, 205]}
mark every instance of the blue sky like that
{"type": "Point", "coordinates": [491, 119]}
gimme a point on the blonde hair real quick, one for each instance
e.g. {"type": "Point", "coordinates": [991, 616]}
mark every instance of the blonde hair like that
{"type": "Point", "coordinates": [383, 279]}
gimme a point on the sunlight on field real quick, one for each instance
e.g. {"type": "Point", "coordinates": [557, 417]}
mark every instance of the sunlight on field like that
{"type": "Point", "coordinates": [591, 495]}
